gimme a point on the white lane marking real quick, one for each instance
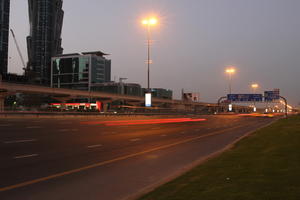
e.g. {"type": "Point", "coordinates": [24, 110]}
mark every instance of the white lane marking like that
{"type": "Point", "coordinates": [19, 141]}
{"type": "Point", "coordinates": [5, 125]}
{"type": "Point", "coordinates": [163, 135]}
{"type": "Point", "coordinates": [94, 146]}
{"type": "Point", "coordinates": [63, 130]}
{"type": "Point", "coordinates": [135, 140]}
{"type": "Point", "coordinates": [33, 127]}
{"type": "Point", "coordinates": [65, 123]}
{"type": "Point", "coordinates": [117, 159]}
{"type": "Point", "coordinates": [26, 156]}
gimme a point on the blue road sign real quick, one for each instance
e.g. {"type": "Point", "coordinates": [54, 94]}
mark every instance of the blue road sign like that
{"type": "Point", "coordinates": [272, 95]}
{"type": "Point", "coordinates": [245, 97]}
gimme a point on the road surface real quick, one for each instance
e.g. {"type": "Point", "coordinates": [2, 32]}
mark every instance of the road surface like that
{"type": "Point", "coordinates": [85, 158]}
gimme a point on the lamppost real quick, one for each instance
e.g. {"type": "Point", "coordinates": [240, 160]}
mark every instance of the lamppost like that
{"type": "Point", "coordinates": [230, 71]}
{"type": "Point", "coordinates": [149, 22]}
{"type": "Point", "coordinates": [254, 86]}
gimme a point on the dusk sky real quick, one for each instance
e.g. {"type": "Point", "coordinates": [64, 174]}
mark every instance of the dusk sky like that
{"type": "Point", "coordinates": [193, 43]}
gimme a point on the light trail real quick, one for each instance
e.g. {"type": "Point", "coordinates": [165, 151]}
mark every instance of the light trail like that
{"type": "Point", "coordinates": [143, 122]}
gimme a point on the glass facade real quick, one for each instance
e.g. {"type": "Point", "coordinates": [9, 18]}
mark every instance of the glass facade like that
{"type": "Point", "coordinates": [160, 93]}
{"type": "Point", "coordinates": [80, 71]}
{"type": "Point", "coordinates": [101, 70]}
{"type": "Point", "coordinates": [44, 42]}
{"type": "Point", "coordinates": [132, 89]}
{"type": "Point", "coordinates": [4, 32]}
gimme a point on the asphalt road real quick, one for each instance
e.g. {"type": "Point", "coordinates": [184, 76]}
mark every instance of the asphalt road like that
{"type": "Point", "coordinates": [78, 158]}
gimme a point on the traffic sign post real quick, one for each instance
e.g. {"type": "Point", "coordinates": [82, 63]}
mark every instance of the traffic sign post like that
{"type": "Point", "coordinates": [286, 105]}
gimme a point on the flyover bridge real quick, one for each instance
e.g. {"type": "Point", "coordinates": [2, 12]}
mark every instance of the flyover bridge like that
{"type": "Point", "coordinates": [63, 95]}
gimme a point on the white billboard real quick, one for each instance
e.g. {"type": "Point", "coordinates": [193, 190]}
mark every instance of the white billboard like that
{"type": "Point", "coordinates": [148, 99]}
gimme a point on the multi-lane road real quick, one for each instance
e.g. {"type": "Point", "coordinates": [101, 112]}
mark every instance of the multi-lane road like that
{"type": "Point", "coordinates": [107, 158]}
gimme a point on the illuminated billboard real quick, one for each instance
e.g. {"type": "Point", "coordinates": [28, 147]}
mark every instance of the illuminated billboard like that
{"type": "Point", "coordinates": [148, 99]}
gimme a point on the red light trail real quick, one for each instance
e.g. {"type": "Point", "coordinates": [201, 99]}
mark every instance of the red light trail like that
{"type": "Point", "coordinates": [140, 122]}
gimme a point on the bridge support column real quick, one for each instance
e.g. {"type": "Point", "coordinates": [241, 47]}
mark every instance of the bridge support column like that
{"type": "Point", "coordinates": [1, 104]}
{"type": "Point", "coordinates": [2, 98]}
{"type": "Point", "coordinates": [105, 105]}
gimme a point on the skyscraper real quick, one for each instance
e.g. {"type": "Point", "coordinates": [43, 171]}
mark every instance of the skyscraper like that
{"type": "Point", "coordinates": [4, 31]}
{"type": "Point", "coordinates": [44, 41]}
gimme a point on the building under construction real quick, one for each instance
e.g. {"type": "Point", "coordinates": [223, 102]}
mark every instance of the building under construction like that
{"type": "Point", "coordinates": [44, 41]}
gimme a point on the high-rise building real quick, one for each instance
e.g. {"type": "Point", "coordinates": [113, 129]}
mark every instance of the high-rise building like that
{"type": "Point", "coordinates": [44, 41]}
{"type": "Point", "coordinates": [4, 32]}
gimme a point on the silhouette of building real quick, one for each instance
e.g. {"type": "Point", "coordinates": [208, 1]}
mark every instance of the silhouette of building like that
{"type": "Point", "coordinates": [44, 41]}
{"type": "Point", "coordinates": [4, 33]}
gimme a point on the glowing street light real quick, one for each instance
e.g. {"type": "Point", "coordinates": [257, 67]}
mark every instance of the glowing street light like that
{"type": "Point", "coordinates": [254, 86]}
{"type": "Point", "coordinates": [149, 22]}
{"type": "Point", "coordinates": [230, 71]}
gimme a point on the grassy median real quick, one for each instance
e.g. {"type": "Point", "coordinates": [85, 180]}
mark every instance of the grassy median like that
{"type": "Point", "coordinates": [264, 166]}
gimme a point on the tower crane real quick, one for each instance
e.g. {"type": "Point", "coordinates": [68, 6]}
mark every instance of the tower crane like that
{"type": "Point", "coordinates": [18, 48]}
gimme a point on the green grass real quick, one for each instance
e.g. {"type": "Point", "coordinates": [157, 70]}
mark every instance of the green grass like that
{"type": "Point", "coordinates": [264, 166]}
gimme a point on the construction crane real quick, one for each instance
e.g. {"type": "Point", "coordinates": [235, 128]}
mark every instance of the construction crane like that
{"type": "Point", "coordinates": [18, 48]}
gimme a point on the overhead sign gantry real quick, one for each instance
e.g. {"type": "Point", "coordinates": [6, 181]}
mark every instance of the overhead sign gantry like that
{"type": "Point", "coordinates": [269, 96]}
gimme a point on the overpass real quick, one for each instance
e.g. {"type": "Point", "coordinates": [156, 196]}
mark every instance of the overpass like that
{"type": "Point", "coordinates": [63, 95]}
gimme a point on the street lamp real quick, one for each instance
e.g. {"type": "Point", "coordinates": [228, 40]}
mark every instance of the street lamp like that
{"type": "Point", "coordinates": [149, 22]}
{"type": "Point", "coordinates": [254, 86]}
{"type": "Point", "coordinates": [230, 71]}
